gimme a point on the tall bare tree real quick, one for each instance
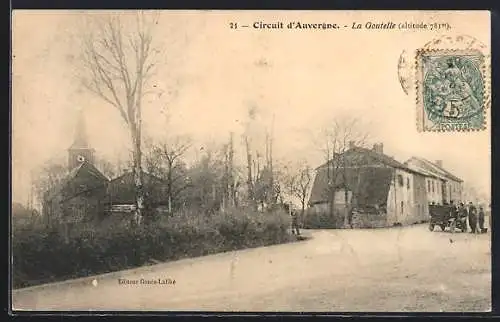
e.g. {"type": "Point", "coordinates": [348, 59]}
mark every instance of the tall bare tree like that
{"type": "Point", "coordinates": [272, 197]}
{"type": "Point", "coordinates": [45, 181]}
{"type": "Point", "coordinates": [118, 55]}
{"type": "Point", "coordinates": [229, 182]}
{"type": "Point", "coordinates": [338, 137]}
{"type": "Point", "coordinates": [251, 159]}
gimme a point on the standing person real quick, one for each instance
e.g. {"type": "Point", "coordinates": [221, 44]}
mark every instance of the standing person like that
{"type": "Point", "coordinates": [480, 219]}
{"type": "Point", "coordinates": [462, 213]}
{"type": "Point", "coordinates": [295, 222]}
{"type": "Point", "coordinates": [472, 218]}
{"type": "Point", "coordinates": [453, 216]}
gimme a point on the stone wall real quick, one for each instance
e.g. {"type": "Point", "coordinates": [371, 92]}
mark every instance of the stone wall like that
{"type": "Point", "coordinates": [367, 220]}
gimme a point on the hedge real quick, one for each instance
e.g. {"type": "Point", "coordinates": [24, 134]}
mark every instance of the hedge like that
{"type": "Point", "coordinates": [323, 220]}
{"type": "Point", "coordinates": [41, 255]}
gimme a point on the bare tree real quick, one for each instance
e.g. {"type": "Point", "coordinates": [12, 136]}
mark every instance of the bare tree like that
{"type": "Point", "coordinates": [229, 182]}
{"type": "Point", "coordinates": [260, 173]}
{"type": "Point", "coordinates": [271, 195]}
{"type": "Point", "coordinates": [107, 168]}
{"type": "Point", "coordinates": [118, 58]}
{"type": "Point", "coordinates": [46, 180]}
{"type": "Point", "coordinates": [281, 180]}
{"type": "Point", "coordinates": [250, 160]}
{"type": "Point", "coordinates": [164, 160]}
{"type": "Point", "coordinates": [338, 137]}
{"type": "Point", "coordinates": [208, 189]}
{"type": "Point", "coordinates": [299, 184]}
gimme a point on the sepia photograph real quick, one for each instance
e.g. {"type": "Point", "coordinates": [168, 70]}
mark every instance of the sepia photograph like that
{"type": "Point", "coordinates": [251, 161]}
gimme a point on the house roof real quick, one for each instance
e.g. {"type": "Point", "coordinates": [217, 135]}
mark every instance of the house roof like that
{"type": "Point", "coordinates": [84, 166]}
{"type": "Point", "coordinates": [420, 171]}
{"type": "Point", "coordinates": [130, 173]}
{"type": "Point", "coordinates": [122, 190]}
{"type": "Point", "coordinates": [380, 157]}
{"type": "Point", "coordinates": [369, 185]}
{"type": "Point", "coordinates": [436, 169]}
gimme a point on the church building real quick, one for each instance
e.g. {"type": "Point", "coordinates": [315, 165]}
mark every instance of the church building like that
{"type": "Point", "coordinates": [81, 194]}
{"type": "Point", "coordinates": [87, 195]}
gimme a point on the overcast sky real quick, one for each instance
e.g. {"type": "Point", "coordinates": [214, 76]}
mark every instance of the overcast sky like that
{"type": "Point", "coordinates": [209, 75]}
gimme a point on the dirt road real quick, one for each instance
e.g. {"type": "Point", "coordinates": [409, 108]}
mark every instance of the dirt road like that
{"type": "Point", "coordinates": [394, 269]}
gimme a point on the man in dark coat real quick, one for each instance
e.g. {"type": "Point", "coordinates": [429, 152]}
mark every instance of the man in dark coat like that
{"type": "Point", "coordinates": [480, 219]}
{"type": "Point", "coordinates": [453, 210]}
{"type": "Point", "coordinates": [453, 216]}
{"type": "Point", "coordinates": [472, 218]}
{"type": "Point", "coordinates": [462, 214]}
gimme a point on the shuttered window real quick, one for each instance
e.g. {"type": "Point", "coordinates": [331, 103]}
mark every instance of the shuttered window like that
{"type": "Point", "coordinates": [400, 180]}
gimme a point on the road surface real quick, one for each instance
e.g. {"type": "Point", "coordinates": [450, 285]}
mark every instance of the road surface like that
{"type": "Point", "coordinates": [396, 269]}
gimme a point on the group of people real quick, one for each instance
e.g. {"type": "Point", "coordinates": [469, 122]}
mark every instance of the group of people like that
{"type": "Point", "coordinates": [471, 213]}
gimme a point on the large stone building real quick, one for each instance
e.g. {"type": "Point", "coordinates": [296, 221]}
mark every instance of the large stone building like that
{"type": "Point", "coordinates": [383, 190]}
{"type": "Point", "coordinates": [380, 190]}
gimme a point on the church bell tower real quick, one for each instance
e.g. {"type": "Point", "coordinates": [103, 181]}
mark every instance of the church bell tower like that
{"type": "Point", "coordinates": [80, 151]}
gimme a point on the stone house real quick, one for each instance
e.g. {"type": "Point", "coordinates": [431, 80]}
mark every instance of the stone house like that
{"type": "Point", "coordinates": [442, 186]}
{"type": "Point", "coordinates": [379, 190]}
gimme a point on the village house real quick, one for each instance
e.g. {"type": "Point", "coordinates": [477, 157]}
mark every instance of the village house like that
{"type": "Point", "coordinates": [379, 190]}
{"type": "Point", "coordinates": [86, 195]}
{"type": "Point", "coordinates": [442, 186]}
{"type": "Point", "coordinates": [121, 193]}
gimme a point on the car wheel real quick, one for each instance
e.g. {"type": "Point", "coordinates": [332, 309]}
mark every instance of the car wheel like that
{"type": "Point", "coordinates": [431, 227]}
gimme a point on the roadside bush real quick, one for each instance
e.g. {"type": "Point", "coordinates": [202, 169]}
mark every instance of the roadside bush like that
{"type": "Point", "coordinates": [42, 255]}
{"type": "Point", "coordinates": [323, 220]}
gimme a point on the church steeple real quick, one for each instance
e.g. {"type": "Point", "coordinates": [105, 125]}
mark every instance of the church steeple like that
{"type": "Point", "coordinates": [80, 151]}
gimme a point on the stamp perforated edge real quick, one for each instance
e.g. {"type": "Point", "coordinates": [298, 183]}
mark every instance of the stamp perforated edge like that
{"type": "Point", "coordinates": [419, 81]}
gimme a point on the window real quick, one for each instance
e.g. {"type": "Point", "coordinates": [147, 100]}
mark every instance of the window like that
{"type": "Point", "coordinates": [402, 207]}
{"type": "Point", "coordinates": [400, 180]}
{"type": "Point", "coordinates": [408, 183]}
{"type": "Point", "coordinates": [432, 186]}
{"type": "Point", "coordinates": [428, 186]}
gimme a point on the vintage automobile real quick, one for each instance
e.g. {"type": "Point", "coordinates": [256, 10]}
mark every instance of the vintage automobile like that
{"type": "Point", "coordinates": [441, 216]}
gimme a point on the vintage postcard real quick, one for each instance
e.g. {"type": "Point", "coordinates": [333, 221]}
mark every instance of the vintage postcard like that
{"type": "Point", "coordinates": [251, 161]}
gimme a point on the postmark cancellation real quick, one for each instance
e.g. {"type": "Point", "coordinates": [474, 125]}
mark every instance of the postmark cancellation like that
{"type": "Point", "coordinates": [451, 91]}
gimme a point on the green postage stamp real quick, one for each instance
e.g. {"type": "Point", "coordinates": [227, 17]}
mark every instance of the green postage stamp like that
{"type": "Point", "coordinates": [450, 90]}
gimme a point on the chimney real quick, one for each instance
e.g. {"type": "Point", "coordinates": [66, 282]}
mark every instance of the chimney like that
{"type": "Point", "coordinates": [351, 145]}
{"type": "Point", "coordinates": [378, 147]}
{"type": "Point", "coordinates": [439, 163]}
